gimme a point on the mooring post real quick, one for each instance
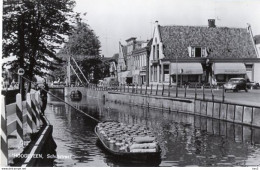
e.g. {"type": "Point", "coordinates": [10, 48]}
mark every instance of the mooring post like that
{"type": "Point", "coordinates": [162, 89]}
{"type": "Point", "coordinates": [156, 90]}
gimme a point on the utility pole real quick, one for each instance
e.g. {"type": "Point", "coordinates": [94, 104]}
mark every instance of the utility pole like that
{"type": "Point", "coordinates": [68, 72]}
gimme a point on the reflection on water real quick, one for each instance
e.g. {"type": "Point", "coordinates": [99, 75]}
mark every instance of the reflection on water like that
{"type": "Point", "coordinates": [186, 140]}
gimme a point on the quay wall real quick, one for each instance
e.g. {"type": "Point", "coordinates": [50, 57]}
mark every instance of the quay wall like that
{"type": "Point", "coordinates": [231, 112]}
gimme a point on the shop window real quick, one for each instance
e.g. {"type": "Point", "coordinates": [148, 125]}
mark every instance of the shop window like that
{"type": "Point", "coordinates": [166, 73]}
{"type": "Point", "coordinates": [193, 78]}
{"type": "Point", "coordinates": [220, 78]}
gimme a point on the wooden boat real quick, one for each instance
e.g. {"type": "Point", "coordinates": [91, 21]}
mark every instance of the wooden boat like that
{"type": "Point", "coordinates": [133, 151]}
{"type": "Point", "coordinates": [76, 95]}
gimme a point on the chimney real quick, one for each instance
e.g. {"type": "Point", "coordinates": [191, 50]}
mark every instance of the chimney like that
{"type": "Point", "coordinates": [211, 23]}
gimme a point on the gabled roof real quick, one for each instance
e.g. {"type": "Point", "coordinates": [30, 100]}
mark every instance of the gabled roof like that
{"type": "Point", "coordinates": [257, 39]}
{"type": "Point", "coordinates": [221, 42]}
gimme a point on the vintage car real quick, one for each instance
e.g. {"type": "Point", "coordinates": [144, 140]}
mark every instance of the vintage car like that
{"type": "Point", "coordinates": [236, 84]}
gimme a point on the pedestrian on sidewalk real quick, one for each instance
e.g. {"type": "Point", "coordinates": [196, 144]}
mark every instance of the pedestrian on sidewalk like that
{"type": "Point", "coordinates": [43, 94]}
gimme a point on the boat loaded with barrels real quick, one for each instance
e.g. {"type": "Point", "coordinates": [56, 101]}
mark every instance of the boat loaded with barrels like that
{"type": "Point", "coordinates": [132, 142]}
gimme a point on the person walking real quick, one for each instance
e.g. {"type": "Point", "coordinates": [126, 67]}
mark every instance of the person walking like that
{"type": "Point", "coordinates": [43, 94]}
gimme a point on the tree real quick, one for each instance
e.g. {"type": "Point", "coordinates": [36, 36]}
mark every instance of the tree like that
{"type": "Point", "coordinates": [82, 42]}
{"type": "Point", "coordinates": [33, 31]}
{"type": "Point", "coordinates": [84, 46]}
{"type": "Point", "coordinates": [95, 68]}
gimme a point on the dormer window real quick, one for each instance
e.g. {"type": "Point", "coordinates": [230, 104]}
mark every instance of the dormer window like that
{"type": "Point", "coordinates": [197, 52]}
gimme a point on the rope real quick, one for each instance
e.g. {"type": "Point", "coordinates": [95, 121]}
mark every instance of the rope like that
{"type": "Point", "coordinates": [63, 100]}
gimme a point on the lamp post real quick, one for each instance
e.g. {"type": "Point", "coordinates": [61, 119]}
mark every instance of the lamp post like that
{"type": "Point", "coordinates": [176, 57]}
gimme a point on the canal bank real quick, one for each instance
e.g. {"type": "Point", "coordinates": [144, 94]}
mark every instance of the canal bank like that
{"type": "Point", "coordinates": [198, 140]}
{"type": "Point", "coordinates": [232, 112]}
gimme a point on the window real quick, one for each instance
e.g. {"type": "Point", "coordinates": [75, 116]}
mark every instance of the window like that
{"type": "Point", "coordinates": [157, 55]}
{"type": "Point", "coordinates": [155, 73]}
{"type": "Point", "coordinates": [197, 52]}
{"type": "Point", "coordinates": [151, 73]}
{"type": "Point", "coordinates": [153, 52]}
{"type": "Point", "coordinates": [166, 73]}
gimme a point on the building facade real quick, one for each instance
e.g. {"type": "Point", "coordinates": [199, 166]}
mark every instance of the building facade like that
{"type": "Point", "coordinates": [132, 62]}
{"type": "Point", "coordinates": [205, 55]}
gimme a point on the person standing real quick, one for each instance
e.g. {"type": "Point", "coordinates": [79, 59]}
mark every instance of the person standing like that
{"type": "Point", "coordinates": [43, 94]}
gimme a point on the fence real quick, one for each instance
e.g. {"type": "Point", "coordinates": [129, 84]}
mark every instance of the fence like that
{"type": "Point", "coordinates": [244, 114]}
{"type": "Point", "coordinates": [198, 92]}
{"type": "Point", "coordinates": [19, 121]}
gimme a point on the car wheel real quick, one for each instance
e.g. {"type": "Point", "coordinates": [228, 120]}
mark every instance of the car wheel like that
{"type": "Point", "coordinates": [246, 90]}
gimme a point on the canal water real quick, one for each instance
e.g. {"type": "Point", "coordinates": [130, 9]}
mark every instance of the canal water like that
{"type": "Point", "coordinates": [185, 140]}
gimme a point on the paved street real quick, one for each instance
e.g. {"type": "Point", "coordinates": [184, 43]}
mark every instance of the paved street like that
{"type": "Point", "coordinates": [252, 97]}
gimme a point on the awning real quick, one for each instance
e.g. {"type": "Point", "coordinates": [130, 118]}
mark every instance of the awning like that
{"type": "Point", "coordinates": [229, 68]}
{"type": "Point", "coordinates": [186, 68]}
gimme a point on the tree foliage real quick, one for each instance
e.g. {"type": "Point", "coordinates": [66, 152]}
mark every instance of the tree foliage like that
{"type": "Point", "coordinates": [84, 46]}
{"type": "Point", "coordinates": [33, 31]}
{"type": "Point", "coordinates": [95, 68]}
{"type": "Point", "coordinates": [82, 42]}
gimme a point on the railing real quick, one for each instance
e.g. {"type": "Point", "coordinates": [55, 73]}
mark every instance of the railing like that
{"type": "Point", "coordinates": [19, 121]}
{"type": "Point", "coordinates": [197, 92]}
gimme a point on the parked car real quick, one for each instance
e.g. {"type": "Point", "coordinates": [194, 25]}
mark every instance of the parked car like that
{"type": "Point", "coordinates": [252, 85]}
{"type": "Point", "coordinates": [110, 82]}
{"type": "Point", "coordinates": [235, 84]}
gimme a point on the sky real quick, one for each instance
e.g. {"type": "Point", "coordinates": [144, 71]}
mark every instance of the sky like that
{"type": "Point", "coordinates": [118, 20]}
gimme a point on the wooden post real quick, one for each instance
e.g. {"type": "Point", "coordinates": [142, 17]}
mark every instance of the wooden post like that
{"type": "Point", "coordinates": [128, 88]}
{"type": "Point", "coordinates": [177, 90]}
{"type": "Point", "coordinates": [169, 90]}
{"type": "Point", "coordinates": [124, 87]}
{"type": "Point", "coordinates": [133, 89]}
{"type": "Point", "coordinates": [136, 88]}
{"type": "Point", "coordinates": [146, 89]}
{"type": "Point", "coordinates": [19, 123]}
{"type": "Point", "coordinates": [156, 89]}
{"type": "Point", "coordinates": [203, 92]}
{"type": "Point", "coordinates": [212, 94]}
{"type": "Point", "coordinates": [185, 88]}
{"type": "Point", "coordinates": [141, 89]}
{"type": "Point", "coordinates": [151, 92]}
{"type": "Point", "coordinates": [4, 140]}
{"type": "Point", "coordinates": [223, 94]}
{"type": "Point", "coordinates": [196, 91]}
{"type": "Point", "coordinates": [162, 89]}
